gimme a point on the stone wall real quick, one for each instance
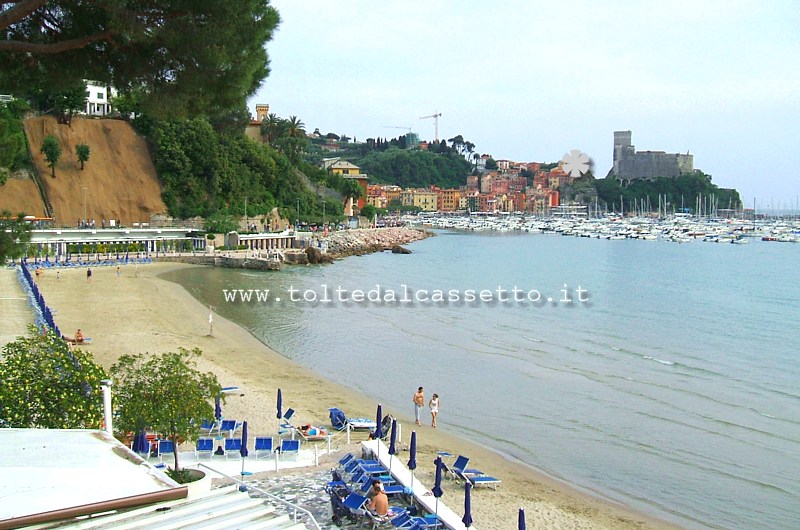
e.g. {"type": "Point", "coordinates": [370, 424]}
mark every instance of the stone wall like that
{"type": "Point", "coordinates": [223, 261]}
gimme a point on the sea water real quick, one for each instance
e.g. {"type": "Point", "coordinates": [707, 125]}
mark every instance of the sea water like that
{"type": "Point", "coordinates": [670, 381]}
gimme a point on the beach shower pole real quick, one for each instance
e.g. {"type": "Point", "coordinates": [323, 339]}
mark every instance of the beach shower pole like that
{"type": "Point", "coordinates": [106, 384]}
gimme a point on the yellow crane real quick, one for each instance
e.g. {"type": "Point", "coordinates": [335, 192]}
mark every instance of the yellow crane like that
{"type": "Point", "coordinates": [435, 117]}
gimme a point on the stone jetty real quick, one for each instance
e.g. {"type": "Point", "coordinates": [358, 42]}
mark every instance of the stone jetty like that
{"type": "Point", "coordinates": [366, 241]}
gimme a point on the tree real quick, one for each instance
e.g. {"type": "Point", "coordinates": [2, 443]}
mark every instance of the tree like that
{"type": "Point", "coordinates": [82, 152]}
{"type": "Point", "coordinates": [220, 223]}
{"type": "Point", "coordinates": [150, 48]}
{"type": "Point", "coordinates": [165, 393]}
{"type": "Point", "coordinates": [15, 232]}
{"type": "Point", "coordinates": [51, 150]}
{"type": "Point", "coordinates": [491, 163]}
{"type": "Point", "coordinates": [69, 101]}
{"type": "Point", "coordinates": [13, 144]}
{"type": "Point", "coordinates": [48, 385]}
{"type": "Point", "coordinates": [369, 211]}
{"type": "Point", "coordinates": [352, 189]}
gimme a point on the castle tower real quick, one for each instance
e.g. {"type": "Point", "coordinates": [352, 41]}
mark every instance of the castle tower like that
{"type": "Point", "coordinates": [262, 110]}
{"type": "Point", "coordinates": [622, 146]}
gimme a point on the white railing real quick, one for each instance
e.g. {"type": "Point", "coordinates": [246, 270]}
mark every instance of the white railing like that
{"type": "Point", "coordinates": [295, 507]}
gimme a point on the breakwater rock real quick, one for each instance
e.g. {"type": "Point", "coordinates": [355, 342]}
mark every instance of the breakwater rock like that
{"type": "Point", "coordinates": [366, 241]}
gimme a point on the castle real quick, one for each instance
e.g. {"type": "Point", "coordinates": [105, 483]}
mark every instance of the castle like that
{"type": "Point", "coordinates": [631, 165]}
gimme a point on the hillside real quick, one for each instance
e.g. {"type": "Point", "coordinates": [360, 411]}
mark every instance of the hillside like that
{"type": "Point", "coordinates": [21, 195]}
{"type": "Point", "coordinates": [119, 176]}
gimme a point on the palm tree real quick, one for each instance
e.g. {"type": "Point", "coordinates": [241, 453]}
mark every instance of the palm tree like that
{"type": "Point", "coordinates": [295, 128]}
{"type": "Point", "coordinates": [270, 127]}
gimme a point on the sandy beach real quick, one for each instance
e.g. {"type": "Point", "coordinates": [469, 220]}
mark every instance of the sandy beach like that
{"type": "Point", "coordinates": [144, 313]}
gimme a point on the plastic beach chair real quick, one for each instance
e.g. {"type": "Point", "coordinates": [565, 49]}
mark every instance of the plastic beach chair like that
{"type": "Point", "coordinates": [204, 446]}
{"type": "Point", "coordinates": [232, 446]}
{"type": "Point", "coordinates": [230, 426]}
{"type": "Point", "coordinates": [290, 447]}
{"type": "Point", "coordinates": [286, 425]}
{"type": "Point", "coordinates": [461, 465]}
{"type": "Point", "coordinates": [479, 480]}
{"type": "Point", "coordinates": [165, 447]}
{"type": "Point", "coordinates": [263, 444]}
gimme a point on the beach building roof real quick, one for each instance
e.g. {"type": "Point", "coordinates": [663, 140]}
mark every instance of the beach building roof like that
{"type": "Point", "coordinates": [50, 477]}
{"type": "Point", "coordinates": [47, 470]}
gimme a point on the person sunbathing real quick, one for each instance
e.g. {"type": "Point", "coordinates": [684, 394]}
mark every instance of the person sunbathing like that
{"type": "Point", "coordinates": [309, 430]}
{"type": "Point", "coordinates": [78, 337]}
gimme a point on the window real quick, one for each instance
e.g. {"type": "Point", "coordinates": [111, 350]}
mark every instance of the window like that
{"type": "Point", "coordinates": [100, 95]}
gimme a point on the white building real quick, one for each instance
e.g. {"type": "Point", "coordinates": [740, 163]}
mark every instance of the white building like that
{"type": "Point", "coordinates": [98, 98]}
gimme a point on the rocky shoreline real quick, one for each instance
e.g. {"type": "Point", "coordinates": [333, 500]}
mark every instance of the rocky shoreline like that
{"type": "Point", "coordinates": [339, 245]}
{"type": "Point", "coordinates": [366, 241]}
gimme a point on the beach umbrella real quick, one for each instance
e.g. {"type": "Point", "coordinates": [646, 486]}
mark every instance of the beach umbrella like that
{"type": "Point", "coordinates": [140, 442]}
{"type": "Point", "coordinates": [412, 459]}
{"type": "Point", "coordinates": [392, 442]}
{"type": "Point", "coordinates": [437, 483]}
{"type": "Point", "coordinates": [378, 434]}
{"type": "Point", "coordinates": [521, 522]}
{"type": "Point", "coordinates": [467, 519]}
{"type": "Point", "coordinates": [243, 451]}
{"type": "Point", "coordinates": [218, 408]}
{"type": "Point", "coordinates": [280, 405]}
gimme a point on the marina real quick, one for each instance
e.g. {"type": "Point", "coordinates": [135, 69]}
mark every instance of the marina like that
{"type": "Point", "coordinates": [676, 229]}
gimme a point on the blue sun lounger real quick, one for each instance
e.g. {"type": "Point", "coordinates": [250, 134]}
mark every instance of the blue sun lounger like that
{"type": "Point", "coordinates": [479, 480]}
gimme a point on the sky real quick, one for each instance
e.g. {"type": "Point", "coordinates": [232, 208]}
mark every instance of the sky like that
{"type": "Point", "coordinates": [531, 80]}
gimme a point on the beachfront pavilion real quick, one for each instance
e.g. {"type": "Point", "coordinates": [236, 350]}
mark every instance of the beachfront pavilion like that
{"type": "Point", "coordinates": [59, 241]}
{"type": "Point", "coordinates": [265, 241]}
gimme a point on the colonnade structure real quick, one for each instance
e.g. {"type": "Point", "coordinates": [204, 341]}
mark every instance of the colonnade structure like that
{"type": "Point", "coordinates": [62, 242]}
{"type": "Point", "coordinates": [262, 242]}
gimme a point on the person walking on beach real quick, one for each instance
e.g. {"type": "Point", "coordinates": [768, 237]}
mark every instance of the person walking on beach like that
{"type": "Point", "coordinates": [433, 404]}
{"type": "Point", "coordinates": [419, 402]}
{"type": "Point", "coordinates": [88, 274]}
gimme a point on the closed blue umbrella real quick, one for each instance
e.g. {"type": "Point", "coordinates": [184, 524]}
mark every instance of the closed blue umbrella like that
{"type": "Point", "coordinates": [521, 522]}
{"type": "Point", "coordinates": [218, 408]}
{"type": "Point", "coordinates": [140, 442]}
{"type": "Point", "coordinates": [280, 405]}
{"type": "Point", "coordinates": [467, 519]}
{"type": "Point", "coordinates": [243, 451]}
{"type": "Point", "coordinates": [378, 431]}
{"type": "Point", "coordinates": [393, 442]}
{"type": "Point", "coordinates": [412, 458]}
{"type": "Point", "coordinates": [378, 434]}
{"type": "Point", "coordinates": [437, 483]}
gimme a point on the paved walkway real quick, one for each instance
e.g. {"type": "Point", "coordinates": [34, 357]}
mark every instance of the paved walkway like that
{"type": "Point", "coordinates": [17, 315]}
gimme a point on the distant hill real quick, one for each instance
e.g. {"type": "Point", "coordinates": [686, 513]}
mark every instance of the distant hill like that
{"type": "Point", "coordinates": [119, 177]}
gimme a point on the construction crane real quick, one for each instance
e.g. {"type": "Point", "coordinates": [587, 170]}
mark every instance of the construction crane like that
{"type": "Point", "coordinates": [435, 117]}
{"type": "Point", "coordinates": [397, 127]}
